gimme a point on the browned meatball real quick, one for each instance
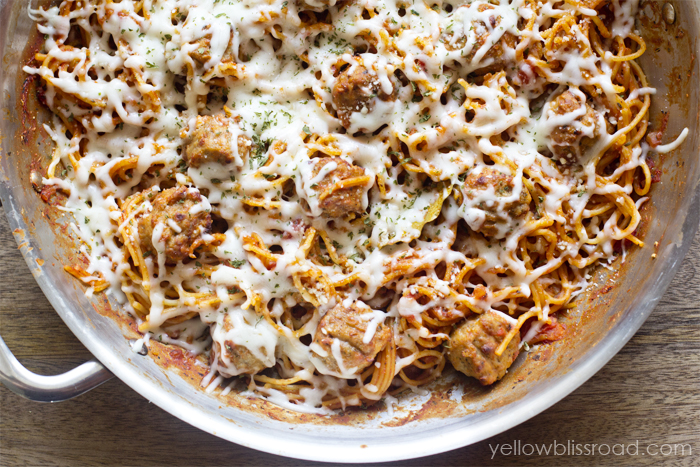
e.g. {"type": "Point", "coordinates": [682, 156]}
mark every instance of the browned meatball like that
{"type": "Point", "coordinates": [211, 142]}
{"type": "Point", "coordinates": [348, 327]}
{"type": "Point", "coordinates": [568, 143]}
{"type": "Point", "coordinates": [235, 359]}
{"type": "Point", "coordinates": [355, 90]}
{"type": "Point", "coordinates": [496, 52]}
{"type": "Point", "coordinates": [473, 347]}
{"type": "Point", "coordinates": [477, 189]}
{"type": "Point", "coordinates": [171, 208]}
{"type": "Point", "coordinates": [334, 201]}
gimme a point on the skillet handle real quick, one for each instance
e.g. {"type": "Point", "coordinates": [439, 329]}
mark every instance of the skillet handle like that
{"type": "Point", "coordinates": [56, 388]}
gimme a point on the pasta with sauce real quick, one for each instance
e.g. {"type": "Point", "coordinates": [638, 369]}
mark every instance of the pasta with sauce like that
{"type": "Point", "coordinates": [337, 199]}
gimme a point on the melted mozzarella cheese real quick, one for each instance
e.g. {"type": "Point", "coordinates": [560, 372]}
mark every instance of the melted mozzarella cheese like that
{"type": "Point", "coordinates": [139, 86]}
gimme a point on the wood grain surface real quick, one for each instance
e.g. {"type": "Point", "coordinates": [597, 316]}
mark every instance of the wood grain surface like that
{"type": "Point", "coordinates": [648, 394]}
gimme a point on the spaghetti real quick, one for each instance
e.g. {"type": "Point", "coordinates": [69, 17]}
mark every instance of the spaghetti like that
{"type": "Point", "coordinates": [338, 199]}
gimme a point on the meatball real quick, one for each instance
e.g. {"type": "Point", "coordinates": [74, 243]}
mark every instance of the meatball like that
{"type": "Point", "coordinates": [337, 202]}
{"type": "Point", "coordinates": [487, 212]}
{"type": "Point", "coordinates": [356, 90]}
{"type": "Point", "coordinates": [482, 32]}
{"type": "Point", "coordinates": [569, 142]}
{"type": "Point", "coordinates": [182, 230]}
{"type": "Point", "coordinates": [236, 360]}
{"type": "Point", "coordinates": [233, 359]}
{"type": "Point", "coordinates": [348, 326]}
{"type": "Point", "coordinates": [211, 142]}
{"type": "Point", "coordinates": [473, 347]}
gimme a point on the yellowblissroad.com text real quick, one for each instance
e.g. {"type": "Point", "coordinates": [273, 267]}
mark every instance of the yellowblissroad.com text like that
{"type": "Point", "coordinates": [574, 448]}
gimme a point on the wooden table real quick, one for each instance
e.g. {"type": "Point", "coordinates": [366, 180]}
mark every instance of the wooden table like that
{"type": "Point", "coordinates": [649, 392]}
